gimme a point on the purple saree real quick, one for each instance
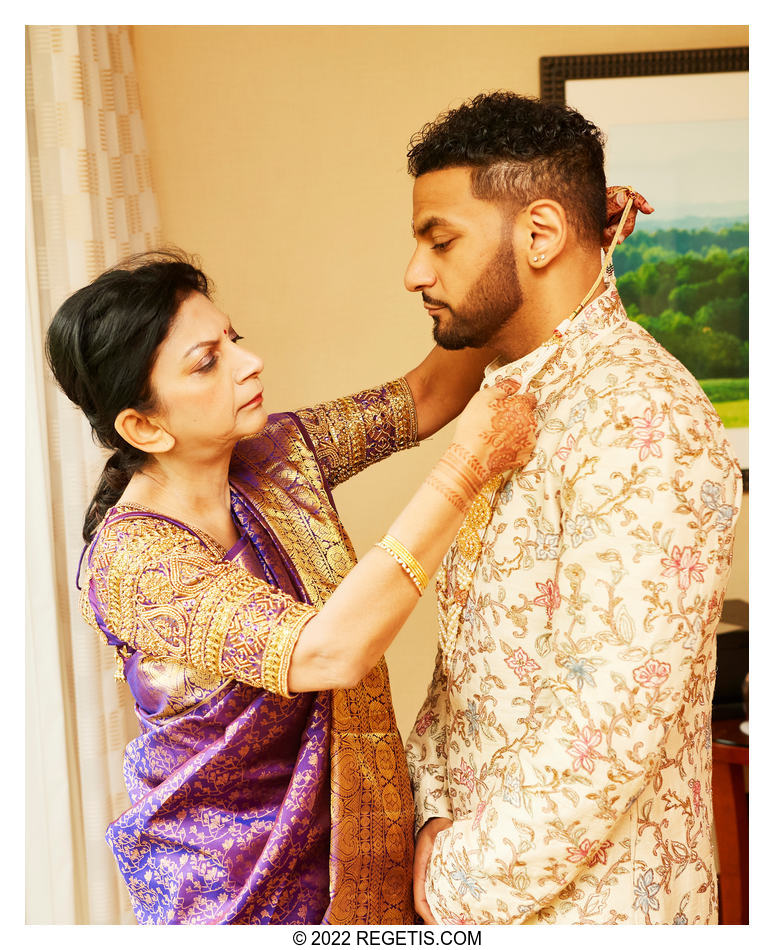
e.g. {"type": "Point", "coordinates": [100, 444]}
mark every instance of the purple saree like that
{"type": "Point", "coordinates": [250, 805]}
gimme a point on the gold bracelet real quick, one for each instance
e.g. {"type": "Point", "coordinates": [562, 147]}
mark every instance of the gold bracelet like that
{"type": "Point", "coordinates": [407, 561]}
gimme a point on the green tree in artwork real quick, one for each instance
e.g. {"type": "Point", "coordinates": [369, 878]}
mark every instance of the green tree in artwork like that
{"type": "Point", "coordinates": [731, 315]}
{"type": "Point", "coordinates": [716, 354]}
{"type": "Point", "coordinates": [643, 246]}
{"type": "Point", "coordinates": [695, 303]}
{"type": "Point", "coordinates": [689, 297]}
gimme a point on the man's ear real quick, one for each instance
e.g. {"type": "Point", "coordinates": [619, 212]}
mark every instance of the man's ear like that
{"type": "Point", "coordinates": [546, 224]}
{"type": "Point", "coordinates": [142, 432]}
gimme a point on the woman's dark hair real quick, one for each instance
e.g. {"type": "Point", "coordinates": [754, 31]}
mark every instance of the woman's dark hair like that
{"type": "Point", "coordinates": [102, 345]}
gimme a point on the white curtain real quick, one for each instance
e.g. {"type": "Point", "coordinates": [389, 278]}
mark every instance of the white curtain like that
{"type": "Point", "coordinates": [89, 203]}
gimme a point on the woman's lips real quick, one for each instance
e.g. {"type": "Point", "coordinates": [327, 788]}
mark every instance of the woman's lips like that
{"type": "Point", "coordinates": [254, 402]}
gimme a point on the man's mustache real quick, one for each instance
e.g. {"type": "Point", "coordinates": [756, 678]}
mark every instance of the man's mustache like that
{"type": "Point", "coordinates": [432, 301]}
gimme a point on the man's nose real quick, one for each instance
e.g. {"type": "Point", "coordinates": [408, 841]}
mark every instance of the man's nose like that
{"type": "Point", "coordinates": [419, 274]}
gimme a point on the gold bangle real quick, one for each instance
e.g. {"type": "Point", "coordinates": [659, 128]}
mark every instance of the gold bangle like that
{"type": "Point", "coordinates": [407, 561]}
{"type": "Point", "coordinates": [411, 561]}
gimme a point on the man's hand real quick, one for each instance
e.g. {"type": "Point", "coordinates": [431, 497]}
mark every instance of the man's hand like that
{"type": "Point", "coordinates": [423, 848]}
{"type": "Point", "coordinates": [617, 196]}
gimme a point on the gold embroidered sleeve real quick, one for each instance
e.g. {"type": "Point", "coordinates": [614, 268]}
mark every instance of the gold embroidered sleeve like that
{"type": "Point", "coordinates": [161, 591]}
{"type": "Point", "coordinates": [351, 433]}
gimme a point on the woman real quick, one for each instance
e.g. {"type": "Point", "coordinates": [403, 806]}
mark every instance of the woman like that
{"type": "Point", "coordinates": [268, 783]}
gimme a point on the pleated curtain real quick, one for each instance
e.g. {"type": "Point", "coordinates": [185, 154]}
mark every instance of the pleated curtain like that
{"type": "Point", "coordinates": [89, 204]}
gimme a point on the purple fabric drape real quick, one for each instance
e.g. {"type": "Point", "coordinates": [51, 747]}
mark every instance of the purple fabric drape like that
{"type": "Point", "coordinates": [230, 814]}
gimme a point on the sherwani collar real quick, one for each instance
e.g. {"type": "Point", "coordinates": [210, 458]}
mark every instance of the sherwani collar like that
{"type": "Point", "coordinates": [568, 343]}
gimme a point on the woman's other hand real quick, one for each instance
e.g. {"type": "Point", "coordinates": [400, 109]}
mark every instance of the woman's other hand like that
{"type": "Point", "coordinates": [617, 196]}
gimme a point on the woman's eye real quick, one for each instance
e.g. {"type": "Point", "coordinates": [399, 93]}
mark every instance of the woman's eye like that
{"type": "Point", "coordinates": [207, 363]}
{"type": "Point", "coordinates": [236, 337]}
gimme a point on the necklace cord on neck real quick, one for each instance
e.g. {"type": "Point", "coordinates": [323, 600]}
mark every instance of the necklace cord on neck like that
{"type": "Point", "coordinates": [609, 254]}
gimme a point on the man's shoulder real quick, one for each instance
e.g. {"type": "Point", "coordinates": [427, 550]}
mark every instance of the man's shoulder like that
{"type": "Point", "coordinates": [628, 391]}
{"type": "Point", "coordinates": [632, 364]}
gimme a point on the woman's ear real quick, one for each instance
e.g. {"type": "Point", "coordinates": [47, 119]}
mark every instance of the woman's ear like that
{"type": "Point", "coordinates": [142, 432]}
{"type": "Point", "coordinates": [547, 225]}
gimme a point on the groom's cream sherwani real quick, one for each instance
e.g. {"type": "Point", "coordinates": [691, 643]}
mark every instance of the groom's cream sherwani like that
{"type": "Point", "coordinates": [567, 728]}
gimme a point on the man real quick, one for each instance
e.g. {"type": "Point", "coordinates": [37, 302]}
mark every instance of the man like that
{"type": "Point", "coordinates": [561, 762]}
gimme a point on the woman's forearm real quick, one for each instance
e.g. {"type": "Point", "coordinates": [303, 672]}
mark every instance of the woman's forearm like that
{"type": "Point", "coordinates": [443, 384]}
{"type": "Point", "coordinates": [364, 614]}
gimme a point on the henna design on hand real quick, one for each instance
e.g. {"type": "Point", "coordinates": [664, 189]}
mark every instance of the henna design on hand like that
{"type": "Point", "coordinates": [617, 196]}
{"type": "Point", "coordinates": [512, 435]}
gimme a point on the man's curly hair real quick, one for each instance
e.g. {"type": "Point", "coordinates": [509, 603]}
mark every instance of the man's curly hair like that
{"type": "Point", "coordinates": [519, 149]}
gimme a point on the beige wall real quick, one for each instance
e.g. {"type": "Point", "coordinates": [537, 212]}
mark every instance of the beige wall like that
{"type": "Point", "coordinates": [278, 155]}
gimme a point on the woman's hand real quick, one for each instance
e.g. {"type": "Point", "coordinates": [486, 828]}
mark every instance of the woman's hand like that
{"type": "Point", "coordinates": [617, 196]}
{"type": "Point", "coordinates": [498, 427]}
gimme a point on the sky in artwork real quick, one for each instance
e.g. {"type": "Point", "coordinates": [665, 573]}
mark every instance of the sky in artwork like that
{"type": "Point", "coordinates": [683, 169]}
{"type": "Point", "coordinates": [682, 141]}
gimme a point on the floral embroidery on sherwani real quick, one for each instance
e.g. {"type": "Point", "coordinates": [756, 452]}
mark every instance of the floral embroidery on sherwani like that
{"type": "Point", "coordinates": [567, 731]}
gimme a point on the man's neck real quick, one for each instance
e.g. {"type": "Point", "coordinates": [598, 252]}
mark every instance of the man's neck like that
{"type": "Point", "coordinates": [553, 295]}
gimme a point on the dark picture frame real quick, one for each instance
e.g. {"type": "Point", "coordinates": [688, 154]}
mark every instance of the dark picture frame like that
{"type": "Point", "coordinates": [557, 71]}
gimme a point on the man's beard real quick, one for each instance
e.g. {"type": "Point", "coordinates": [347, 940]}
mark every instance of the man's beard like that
{"type": "Point", "coordinates": [488, 306]}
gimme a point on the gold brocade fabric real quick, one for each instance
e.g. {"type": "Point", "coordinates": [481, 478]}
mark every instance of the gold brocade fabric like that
{"type": "Point", "coordinates": [351, 433]}
{"type": "Point", "coordinates": [372, 835]}
{"type": "Point", "coordinates": [166, 593]}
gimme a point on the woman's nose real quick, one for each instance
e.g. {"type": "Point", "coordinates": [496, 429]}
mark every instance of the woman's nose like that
{"type": "Point", "coordinates": [249, 365]}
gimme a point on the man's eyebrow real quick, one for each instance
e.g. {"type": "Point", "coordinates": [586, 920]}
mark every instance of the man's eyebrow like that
{"type": "Point", "coordinates": [428, 225]}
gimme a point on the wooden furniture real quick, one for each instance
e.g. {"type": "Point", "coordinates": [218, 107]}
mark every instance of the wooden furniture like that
{"type": "Point", "coordinates": [730, 755]}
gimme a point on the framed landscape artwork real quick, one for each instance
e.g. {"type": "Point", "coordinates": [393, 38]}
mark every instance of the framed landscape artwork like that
{"type": "Point", "coordinates": [677, 131]}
